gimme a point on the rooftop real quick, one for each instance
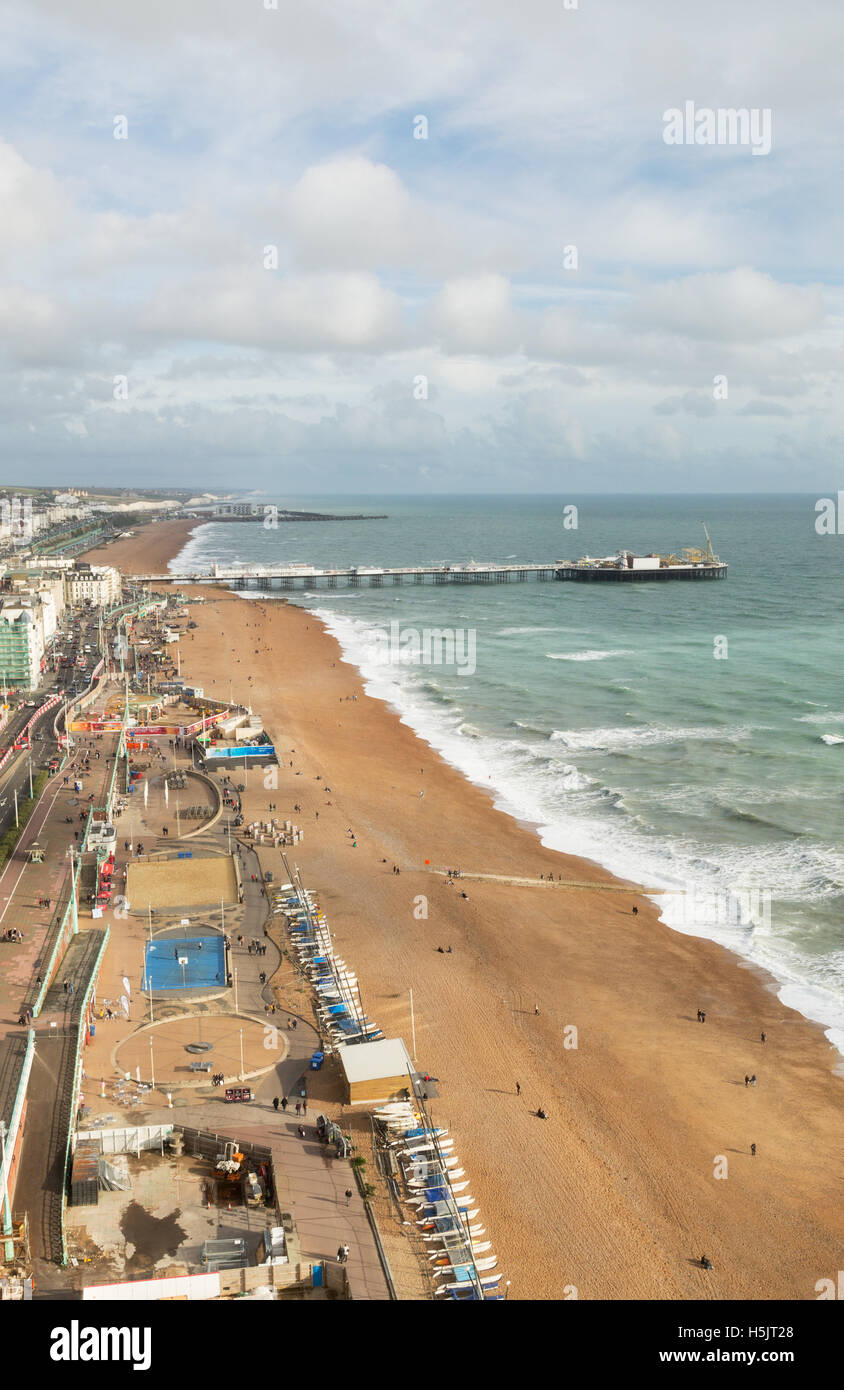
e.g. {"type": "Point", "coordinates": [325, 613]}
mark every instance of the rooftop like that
{"type": "Point", "coordinates": [371, 1061]}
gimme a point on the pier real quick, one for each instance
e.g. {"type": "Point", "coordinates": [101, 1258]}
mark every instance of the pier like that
{"type": "Point", "coordinates": [308, 577]}
{"type": "Point", "coordinates": [285, 578]}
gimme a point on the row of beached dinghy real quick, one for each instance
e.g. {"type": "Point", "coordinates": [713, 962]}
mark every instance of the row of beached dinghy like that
{"type": "Point", "coordinates": [338, 1002]}
{"type": "Point", "coordinates": [435, 1188]}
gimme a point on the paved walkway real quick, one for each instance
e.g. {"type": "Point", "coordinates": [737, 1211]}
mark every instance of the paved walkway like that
{"type": "Point", "coordinates": [311, 1184]}
{"type": "Point", "coordinates": [22, 886]}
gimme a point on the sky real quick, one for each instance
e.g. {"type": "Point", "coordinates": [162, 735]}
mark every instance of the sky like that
{"type": "Point", "coordinates": [228, 260]}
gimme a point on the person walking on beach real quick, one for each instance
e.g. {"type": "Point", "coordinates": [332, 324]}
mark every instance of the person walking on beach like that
{"type": "Point", "coordinates": [518, 1089]}
{"type": "Point", "coordinates": [276, 1103]}
{"type": "Point", "coordinates": [753, 1150]}
{"type": "Point", "coordinates": [753, 1080]}
{"type": "Point", "coordinates": [284, 1102]}
{"type": "Point", "coordinates": [746, 1079]}
{"type": "Point", "coordinates": [298, 1107]}
{"type": "Point", "coordinates": [764, 1038]}
{"type": "Point", "coordinates": [348, 1196]}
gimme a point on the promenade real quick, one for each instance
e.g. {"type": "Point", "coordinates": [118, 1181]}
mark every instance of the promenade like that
{"type": "Point", "coordinates": [310, 1184]}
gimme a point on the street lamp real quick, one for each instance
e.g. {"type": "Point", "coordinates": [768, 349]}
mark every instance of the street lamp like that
{"type": "Point", "coordinates": [151, 1062]}
{"type": "Point", "coordinates": [241, 1054]}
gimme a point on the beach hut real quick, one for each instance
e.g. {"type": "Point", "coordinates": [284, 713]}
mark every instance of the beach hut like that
{"type": "Point", "coordinates": [375, 1071]}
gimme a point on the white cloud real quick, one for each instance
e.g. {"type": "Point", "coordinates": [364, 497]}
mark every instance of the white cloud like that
{"type": "Point", "coordinates": [342, 311]}
{"type": "Point", "coordinates": [475, 314]}
{"type": "Point", "coordinates": [34, 206]}
{"type": "Point", "coordinates": [734, 306]}
{"type": "Point", "coordinates": [399, 257]}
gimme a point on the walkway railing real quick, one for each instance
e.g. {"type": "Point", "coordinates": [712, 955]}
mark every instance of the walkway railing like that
{"type": "Point", "coordinates": [81, 1032]}
{"type": "Point", "coordinates": [11, 1139]}
{"type": "Point", "coordinates": [57, 937]}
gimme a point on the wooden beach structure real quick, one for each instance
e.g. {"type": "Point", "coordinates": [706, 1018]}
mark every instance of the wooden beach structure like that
{"type": "Point", "coordinates": [375, 1071]}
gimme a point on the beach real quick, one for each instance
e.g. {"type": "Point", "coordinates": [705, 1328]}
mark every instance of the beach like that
{"type": "Point", "coordinates": [644, 1162]}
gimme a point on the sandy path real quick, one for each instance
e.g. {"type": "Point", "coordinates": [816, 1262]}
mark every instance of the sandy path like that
{"type": "Point", "coordinates": [615, 1194]}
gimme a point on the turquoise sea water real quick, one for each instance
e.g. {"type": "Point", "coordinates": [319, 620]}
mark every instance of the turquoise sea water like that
{"type": "Point", "coordinates": [600, 712]}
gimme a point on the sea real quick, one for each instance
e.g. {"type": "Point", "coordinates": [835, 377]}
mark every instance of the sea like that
{"type": "Point", "coordinates": [686, 736]}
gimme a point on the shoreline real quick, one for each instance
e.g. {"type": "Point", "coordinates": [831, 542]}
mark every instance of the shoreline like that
{"type": "Point", "coordinates": [803, 994]}
{"type": "Point", "coordinates": [804, 997]}
{"type": "Point", "coordinates": [647, 1098]}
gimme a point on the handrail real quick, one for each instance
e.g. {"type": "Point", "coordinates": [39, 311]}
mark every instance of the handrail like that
{"type": "Point", "coordinates": [81, 1028]}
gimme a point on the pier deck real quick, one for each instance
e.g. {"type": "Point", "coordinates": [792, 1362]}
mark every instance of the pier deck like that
{"type": "Point", "coordinates": [307, 577]}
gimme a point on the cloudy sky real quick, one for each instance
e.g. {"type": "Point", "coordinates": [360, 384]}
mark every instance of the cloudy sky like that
{"type": "Point", "coordinates": [301, 295]}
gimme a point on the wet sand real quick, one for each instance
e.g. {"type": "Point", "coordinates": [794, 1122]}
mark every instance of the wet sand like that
{"type": "Point", "coordinates": [616, 1194]}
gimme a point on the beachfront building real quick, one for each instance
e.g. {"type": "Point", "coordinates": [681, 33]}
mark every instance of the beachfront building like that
{"type": "Point", "coordinates": [244, 509]}
{"type": "Point", "coordinates": [44, 589]}
{"type": "Point", "coordinates": [97, 585]}
{"type": "Point", "coordinates": [21, 643]}
{"type": "Point", "coordinates": [376, 1071]}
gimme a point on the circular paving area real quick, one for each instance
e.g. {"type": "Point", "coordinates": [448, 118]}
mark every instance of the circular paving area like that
{"type": "Point", "coordinates": [263, 1047]}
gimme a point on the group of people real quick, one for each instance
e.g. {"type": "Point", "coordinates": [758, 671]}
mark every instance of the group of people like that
{"type": "Point", "coordinates": [301, 1105]}
{"type": "Point", "coordinates": [217, 1079]}
{"type": "Point", "coordinates": [12, 934]}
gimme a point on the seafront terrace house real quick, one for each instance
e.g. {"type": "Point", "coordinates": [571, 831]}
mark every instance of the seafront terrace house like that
{"type": "Point", "coordinates": [100, 586]}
